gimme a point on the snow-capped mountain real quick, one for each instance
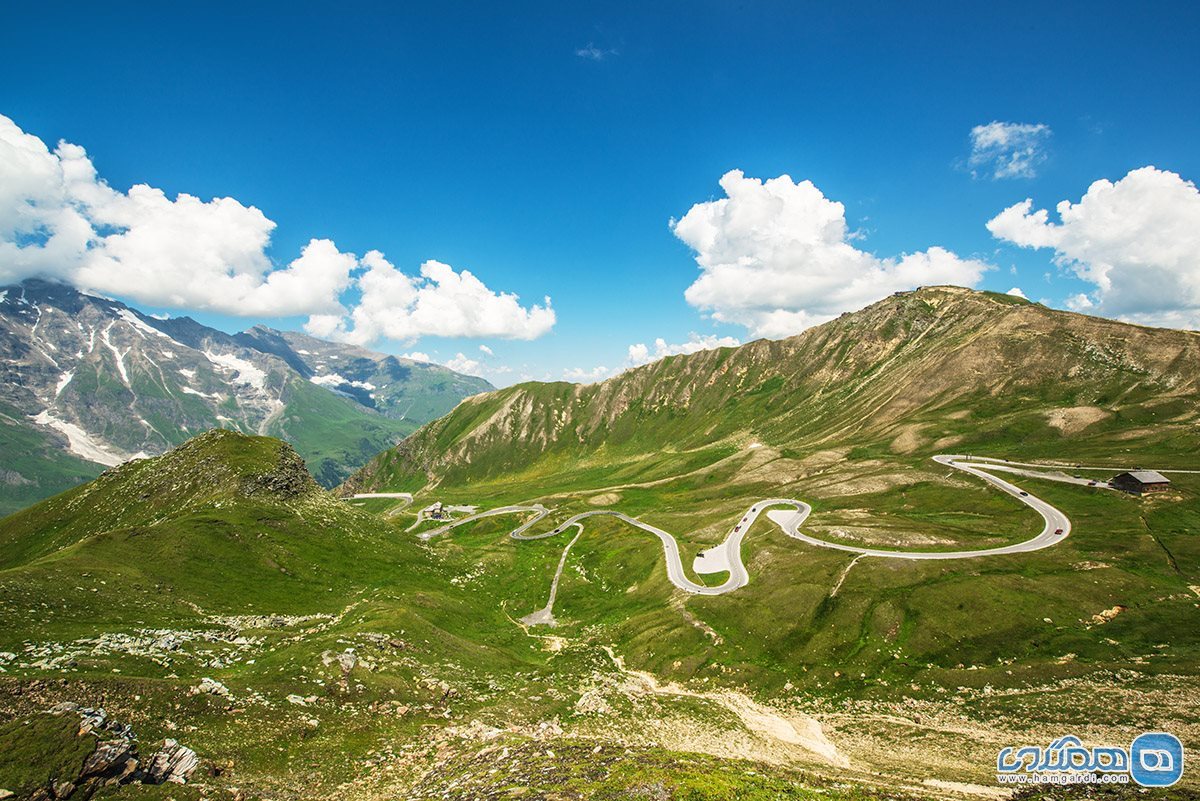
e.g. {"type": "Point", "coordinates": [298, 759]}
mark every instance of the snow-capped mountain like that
{"type": "Point", "coordinates": [89, 381]}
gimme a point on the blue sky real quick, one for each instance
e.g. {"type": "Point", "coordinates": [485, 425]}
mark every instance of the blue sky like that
{"type": "Point", "coordinates": [546, 146]}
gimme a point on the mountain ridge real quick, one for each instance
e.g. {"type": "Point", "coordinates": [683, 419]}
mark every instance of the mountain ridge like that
{"type": "Point", "coordinates": [908, 360]}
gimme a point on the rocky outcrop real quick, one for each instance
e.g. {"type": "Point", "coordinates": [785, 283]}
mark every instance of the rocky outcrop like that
{"type": "Point", "coordinates": [114, 759]}
{"type": "Point", "coordinates": [172, 763]}
{"type": "Point", "coordinates": [290, 478]}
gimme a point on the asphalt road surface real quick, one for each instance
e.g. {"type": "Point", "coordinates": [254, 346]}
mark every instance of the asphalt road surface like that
{"type": "Point", "coordinates": [728, 554]}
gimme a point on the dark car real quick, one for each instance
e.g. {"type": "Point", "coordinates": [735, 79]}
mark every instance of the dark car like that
{"type": "Point", "coordinates": [1058, 531]}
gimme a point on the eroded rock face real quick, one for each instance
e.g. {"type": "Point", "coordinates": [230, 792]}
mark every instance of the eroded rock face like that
{"type": "Point", "coordinates": [289, 479]}
{"type": "Point", "coordinates": [172, 763]}
{"type": "Point", "coordinates": [113, 760]}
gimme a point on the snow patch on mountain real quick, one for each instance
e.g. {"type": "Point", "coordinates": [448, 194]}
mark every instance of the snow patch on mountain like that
{"type": "Point", "coordinates": [141, 326]}
{"type": "Point", "coordinates": [217, 396]}
{"type": "Point", "coordinates": [63, 380]}
{"type": "Point", "coordinates": [83, 444]}
{"type": "Point", "coordinates": [120, 357]}
{"type": "Point", "coordinates": [246, 372]}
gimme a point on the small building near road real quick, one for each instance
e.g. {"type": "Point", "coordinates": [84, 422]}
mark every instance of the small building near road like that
{"type": "Point", "coordinates": [1140, 482]}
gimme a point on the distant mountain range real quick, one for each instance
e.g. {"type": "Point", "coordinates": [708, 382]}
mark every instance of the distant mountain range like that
{"type": "Point", "coordinates": [90, 382]}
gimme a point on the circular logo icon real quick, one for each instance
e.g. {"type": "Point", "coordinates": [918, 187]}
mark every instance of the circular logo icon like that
{"type": "Point", "coordinates": [1156, 759]}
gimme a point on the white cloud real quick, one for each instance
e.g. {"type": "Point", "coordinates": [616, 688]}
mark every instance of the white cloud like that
{"type": "Point", "coordinates": [641, 354]}
{"type": "Point", "coordinates": [465, 365]}
{"type": "Point", "coordinates": [578, 375]}
{"type": "Point", "coordinates": [775, 256]}
{"type": "Point", "coordinates": [1008, 149]}
{"type": "Point", "coordinates": [594, 53]}
{"type": "Point", "coordinates": [416, 356]}
{"type": "Point", "coordinates": [1079, 303]}
{"type": "Point", "coordinates": [1137, 241]}
{"type": "Point", "coordinates": [59, 219]}
{"type": "Point", "coordinates": [487, 350]}
{"type": "Point", "coordinates": [1016, 292]}
{"type": "Point", "coordinates": [439, 302]}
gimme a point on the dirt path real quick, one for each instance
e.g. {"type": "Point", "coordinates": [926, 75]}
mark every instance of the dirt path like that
{"type": "Point", "coordinates": [793, 729]}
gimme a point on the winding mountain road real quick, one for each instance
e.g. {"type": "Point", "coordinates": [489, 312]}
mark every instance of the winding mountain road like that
{"type": "Point", "coordinates": [727, 555]}
{"type": "Point", "coordinates": [407, 497]}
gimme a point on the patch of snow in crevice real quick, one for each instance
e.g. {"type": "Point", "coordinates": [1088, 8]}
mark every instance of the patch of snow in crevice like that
{"type": "Point", "coordinates": [141, 326]}
{"type": "Point", "coordinates": [211, 396]}
{"type": "Point", "coordinates": [3, 296]}
{"type": "Point", "coordinates": [118, 354]}
{"type": "Point", "coordinates": [81, 443]}
{"type": "Point", "coordinates": [166, 354]}
{"type": "Point", "coordinates": [63, 380]}
{"type": "Point", "coordinates": [246, 372]}
{"type": "Point", "coordinates": [189, 374]}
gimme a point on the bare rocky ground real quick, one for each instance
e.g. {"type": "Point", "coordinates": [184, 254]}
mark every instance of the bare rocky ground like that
{"type": "Point", "coordinates": [940, 742]}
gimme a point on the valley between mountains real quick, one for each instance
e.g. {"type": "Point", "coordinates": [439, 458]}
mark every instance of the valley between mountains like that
{"type": "Point", "coordinates": [860, 619]}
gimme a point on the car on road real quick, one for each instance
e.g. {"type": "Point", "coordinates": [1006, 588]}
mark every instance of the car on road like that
{"type": "Point", "coordinates": [1026, 494]}
{"type": "Point", "coordinates": [736, 528]}
{"type": "Point", "coordinates": [1058, 531]}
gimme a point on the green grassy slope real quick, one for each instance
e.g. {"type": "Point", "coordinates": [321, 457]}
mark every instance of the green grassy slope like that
{"type": "Point", "coordinates": [1096, 634]}
{"type": "Point", "coordinates": [223, 559]}
{"type": "Point", "coordinates": [846, 416]}
{"type": "Point", "coordinates": [333, 433]}
{"type": "Point", "coordinates": [34, 467]}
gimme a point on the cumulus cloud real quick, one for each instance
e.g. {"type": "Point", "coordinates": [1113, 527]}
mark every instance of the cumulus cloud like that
{"type": "Point", "coordinates": [1137, 241]}
{"type": "Point", "coordinates": [579, 375]}
{"type": "Point", "coordinates": [465, 365]}
{"type": "Point", "coordinates": [417, 356]}
{"type": "Point", "coordinates": [1016, 292]}
{"type": "Point", "coordinates": [642, 354]}
{"type": "Point", "coordinates": [438, 302]}
{"type": "Point", "coordinates": [776, 257]}
{"type": "Point", "coordinates": [1008, 149]}
{"type": "Point", "coordinates": [485, 349]}
{"type": "Point", "coordinates": [60, 220]}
